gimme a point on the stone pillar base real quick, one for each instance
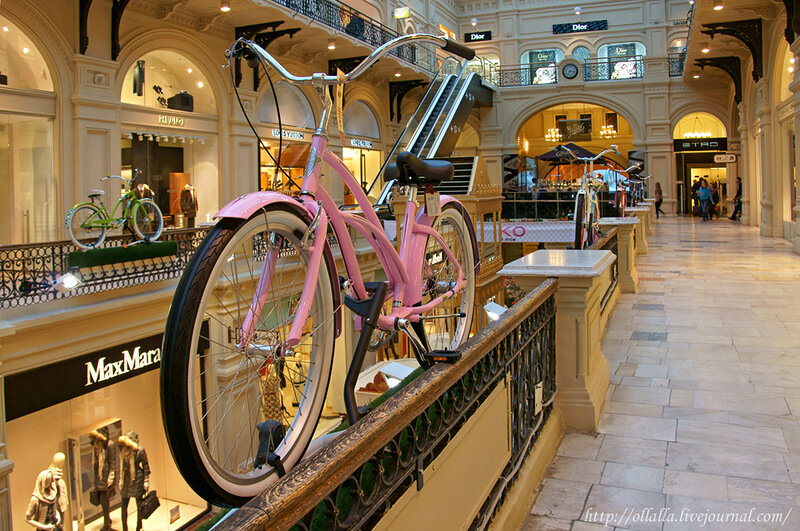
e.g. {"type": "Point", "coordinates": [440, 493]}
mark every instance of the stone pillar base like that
{"type": "Point", "coordinates": [628, 277]}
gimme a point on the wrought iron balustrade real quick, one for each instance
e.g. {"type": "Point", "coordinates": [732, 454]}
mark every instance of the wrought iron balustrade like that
{"type": "Point", "coordinates": [353, 481]}
{"type": "Point", "coordinates": [527, 74]}
{"type": "Point", "coordinates": [613, 68]}
{"type": "Point", "coordinates": [349, 21]}
{"type": "Point", "coordinates": [28, 272]}
{"type": "Point", "coordinates": [676, 64]}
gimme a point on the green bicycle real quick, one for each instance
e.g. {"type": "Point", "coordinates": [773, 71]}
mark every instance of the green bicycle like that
{"type": "Point", "coordinates": [90, 221]}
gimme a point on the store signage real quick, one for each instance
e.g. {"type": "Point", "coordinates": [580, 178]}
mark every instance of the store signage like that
{"type": "Point", "coordinates": [402, 12]}
{"type": "Point", "coordinates": [701, 144]}
{"type": "Point", "coordinates": [580, 27]}
{"type": "Point", "coordinates": [293, 135]}
{"type": "Point", "coordinates": [447, 31]}
{"type": "Point", "coordinates": [360, 143]}
{"type": "Point", "coordinates": [724, 158]}
{"type": "Point", "coordinates": [64, 380]}
{"type": "Point", "coordinates": [165, 119]}
{"type": "Point", "coordinates": [478, 36]}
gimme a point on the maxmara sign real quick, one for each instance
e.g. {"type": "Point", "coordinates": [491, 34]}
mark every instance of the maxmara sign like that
{"type": "Point", "coordinates": [131, 360]}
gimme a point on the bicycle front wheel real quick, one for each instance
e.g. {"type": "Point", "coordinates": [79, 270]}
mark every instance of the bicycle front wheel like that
{"type": "Point", "coordinates": [448, 325]}
{"type": "Point", "coordinates": [85, 226]}
{"type": "Point", "coordinates": [147, 219]}
{"type": "Point", "coordinates": [234, 409]}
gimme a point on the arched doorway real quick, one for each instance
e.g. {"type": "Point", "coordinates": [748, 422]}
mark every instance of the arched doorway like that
{"type": "Point", "coordinates": [363, 149]}
{"type": "Point", "coordinates": [698, 138]}
{"type": "Point", "coordinates": [28, 202]}
{"type": "Point", "coordinates": [169, 141]}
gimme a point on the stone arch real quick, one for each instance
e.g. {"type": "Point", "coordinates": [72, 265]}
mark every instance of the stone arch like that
{"type": "Point", "coordinates": [525, 112]}
{"type": "Point", "coordinates": [361, 92]}
{"type": "Point", "coordinates": [709, 107]}
{"type": "Point", "coordinates": [592, 47]}
{"type": "Point", "coordinates": [378, 120]}
{"type": "Point", "coordinates": [181, 43]}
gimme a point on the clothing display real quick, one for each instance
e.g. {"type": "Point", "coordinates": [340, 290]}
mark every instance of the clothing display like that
{"type": "Point", "coordinates": [56, 468]}
{"type": "Point", "coordinates": [134, 476]}
{"type": "Point", "coordinates": [43, 510]}
{"type": "Point", "coordinates": [189, 204]}
{"type": "Point", "coordinates": [143, 191]}
{"type": "Point", "coordinates": [104, 466]}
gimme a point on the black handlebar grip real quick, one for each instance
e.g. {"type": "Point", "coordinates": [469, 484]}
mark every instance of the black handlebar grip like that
{"type": "Point", "coordinates": [459, 49]}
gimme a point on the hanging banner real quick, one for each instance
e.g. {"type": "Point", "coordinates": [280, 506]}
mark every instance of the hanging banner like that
{"type": "Point", "coordinates": [521, 231]}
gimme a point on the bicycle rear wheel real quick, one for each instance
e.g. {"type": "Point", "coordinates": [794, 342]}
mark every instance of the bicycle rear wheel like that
{"type": "Point", "coordinates": [448, 325]}
{"type": "Point", "coordinates": [147, 219]}
{"type": "Point", "coordinates": [227, 404]}
{"type": "Point", "coordinates": [84, 228]}
{"type": "Point", "coordinates": [579, 217]}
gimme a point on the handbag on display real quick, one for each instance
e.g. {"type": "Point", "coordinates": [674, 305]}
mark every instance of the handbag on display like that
{"type": "Point", "coordinates": [94, 497]}
{"type": "Point", "coordinates": [149, 504]}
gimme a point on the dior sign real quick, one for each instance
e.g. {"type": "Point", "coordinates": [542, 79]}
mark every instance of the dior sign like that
{"type": "Point", "coordinates": [580, 27]}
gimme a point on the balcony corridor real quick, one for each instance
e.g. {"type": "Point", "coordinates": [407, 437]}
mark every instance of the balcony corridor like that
{"type": "Point", "coordinates": [701, 419]}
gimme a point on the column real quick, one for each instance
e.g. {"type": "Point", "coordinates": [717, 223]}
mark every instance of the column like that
{"type": "Point", "coordinates": [749, 193]}
{"type": "Point", "coordinates": [582, 371]}
{"type": "Point", "coordinates": [765, 160]}
{"type": "Point", "coordinates": [795, 88]}
{"type": "Point", "coordinates": [640, 233]}
{"type": "Point", "coordinates": [626, 250]}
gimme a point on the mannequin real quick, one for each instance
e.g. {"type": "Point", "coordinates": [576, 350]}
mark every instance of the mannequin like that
{"type": "Point", "coordinates": [57, 469]}
{"type": "Point", "coordinates": [143, 190]}
{"type": "Point", "coordinates": [189, 204]}
{"type": "Point", "coordinates": [104, 466]}
{"type": "Point", "coordinates": [134, 476]}
{"type": "Point", "coordinates": [43, 510]}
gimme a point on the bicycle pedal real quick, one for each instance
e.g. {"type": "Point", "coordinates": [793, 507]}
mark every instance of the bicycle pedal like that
{"type": "Point", "coordinates": [444, 356]}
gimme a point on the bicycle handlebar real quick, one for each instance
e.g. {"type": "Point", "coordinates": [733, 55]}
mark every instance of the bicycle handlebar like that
{"type": "Point", "coordinates": [443, 42]}
{"type": "Point", "coordinates": [120, 177]}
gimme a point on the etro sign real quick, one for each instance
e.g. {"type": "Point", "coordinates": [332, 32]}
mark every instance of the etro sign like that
{"type": "Point", "coordinates": [580, 27]}
{"type": "Point", "coordinates": [701, 144]}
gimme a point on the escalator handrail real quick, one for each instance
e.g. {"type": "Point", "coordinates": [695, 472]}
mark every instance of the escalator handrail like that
{"type": "Point", "coordinates": [447, 104]}
{"type": "Point", "coordinates": [451, 111]}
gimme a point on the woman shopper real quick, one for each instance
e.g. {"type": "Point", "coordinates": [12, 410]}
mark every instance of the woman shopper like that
{"type": "Point", "coordinates": [704, 194]}
{"type": "Point", "coordinates": [659, 199]}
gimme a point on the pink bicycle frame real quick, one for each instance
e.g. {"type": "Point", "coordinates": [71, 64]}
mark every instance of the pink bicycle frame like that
{"type": "Point", "coordinates": [404, 270]}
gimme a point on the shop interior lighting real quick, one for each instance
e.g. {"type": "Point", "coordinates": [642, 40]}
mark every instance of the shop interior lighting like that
{"type": "Point", "coordinates": [331, 45]}
{"type": "Point", "coordinates": [224, 6]}
{"type": "Point", "coordinates": [705, 50]}
{"type": "Point", "coordinates": [473, 21]}
{"type": "Point", "coordinates": [199, 84]}
{"type": "Point", "coordinates": [608, 131]}
{"type": "Point", "coordinates": [696, 132]}
{"type": "Point", "coordinates": [696, 76]}
{"type": "Point", "coordinates": [718, 7]}
{"type": "Point", "coordinates": [189, 69]}
{"type": "Point", "coordinates": [25, 50]}
{"type": "Point", "coordinates": [553, 135]}
{"type": "Point", "coordinates": [66, 283]}
{"type": "Point", "coordinates": [397, 74]}
{"type": "Point", "coordinates": [5, 28]}
{"type": "Point", "coordinates": [526, 145]}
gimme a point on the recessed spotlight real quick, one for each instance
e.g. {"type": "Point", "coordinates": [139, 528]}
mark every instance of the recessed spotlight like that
{"type": "Point", "coordinates": [718, 7]}
{"type": "Point", "coordinates": [189, 69]}
{"type": "Point", "coordinates": [331, 44]}
{"type": "Point", "coordinates": [5, 28]}
{"type": "Point", "coordinates": [397, 74]}
{"type": "Point", "coordinates": [792, 60]}
{"type": "Point", "coordinates": [473, 21]}
{"type": "Point", "coordinates": [224, 6]}
{"type": "Point", "coordinates": [691, 2]}
{"type": "Point", "coordinates": [199, 84]}
{"type": "Point", "coordinates": [705, 50]}
{"type": "Point", "coordinates": [696, 76]}
{"type": "Point", "coordinates": [577, 10]}
{"type": "Point", "coordinates": [25, 50]}
{"type": "Point", "coordinates": [791, 69]}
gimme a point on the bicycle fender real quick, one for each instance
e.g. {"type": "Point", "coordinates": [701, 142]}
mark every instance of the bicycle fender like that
{"type": "Point", "coordinates": [245, 206]}
{"type": "Point", "coordinates": [449, 199]}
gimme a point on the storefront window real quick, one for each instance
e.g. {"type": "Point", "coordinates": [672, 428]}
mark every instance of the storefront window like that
{"type": "Point", "coordinates": [90, 403]}
{"type": "Point", "coordinates": [362, 154]}
{"type": "Point", "coordinates": [581, 53]}
{"type": "Point", "coordinates": [295, 108]}
{"type": "Point", "coordinates": [623, 59]}
{"type": "Point", "coordinates": [166, 80]}
{"type": "Point", "coordinates": [542, 63]}
{"type": "Point", "coordinates": [28, 209]}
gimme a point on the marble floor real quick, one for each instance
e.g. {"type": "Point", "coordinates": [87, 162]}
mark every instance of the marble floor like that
{"type": "Point", "coordinates": [701, 427]}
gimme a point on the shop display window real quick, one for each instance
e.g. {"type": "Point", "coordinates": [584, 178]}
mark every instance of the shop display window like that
{"type": "Point", "coordinates": [167, 80]}
{"type": "Point", "coordinates": [622, 59]}
{"type": "Point", "coordinates": [296, 111]}
{"type": "Point", "coordinates": [123, 413]}
{"type": "Point", "coordinates": [23, 66]}
{"type": "Point", "coordinates": [362, 154]}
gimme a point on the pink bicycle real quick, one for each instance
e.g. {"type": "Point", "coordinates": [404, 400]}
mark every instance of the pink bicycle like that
{"type": "Point", "coordinates": [249, 340]}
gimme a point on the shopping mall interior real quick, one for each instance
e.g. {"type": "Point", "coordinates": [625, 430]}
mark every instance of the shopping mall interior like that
{"type": "Point", "coordinates": [536, 267]}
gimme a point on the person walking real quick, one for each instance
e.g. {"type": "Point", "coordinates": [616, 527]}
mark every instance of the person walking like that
{"type": "Point", "coordinates": [695, 199]}
{"type": "Point", "coordinates": [704, 195]}
{"type": "Point", "coordinates": [659, 199]}
{"type": "Point", "coordinates": [737, 200]}
{"type": "Point", "coordinates": [714, 201]}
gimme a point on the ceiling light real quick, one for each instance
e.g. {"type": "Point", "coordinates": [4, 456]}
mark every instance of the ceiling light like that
{"type": "Point", "coordinates": [791, 69]}
{"type": "Point", "coordinates": [189, 69]}
{"type": "Point", "coordinates": [577, 10]}
{"type": "Point", "coordinates": [25, 50]}
{"type": "Point", "coordinates": [397, 74]}
{"type": "Point", "coordinates": [199, 84]}
{"type": "Point", "coordinates": [691, 2]}
{"type": "Point", "coordinates": [705, 50]}
{"type": "Point", "coordinates": [696, 76]}
{"type": "Point", "coordinates": [473, 21]}
{"type": "Point", "coordinates": [792, 60]}
{"type": "Point", "coordinates": [224, 6]}
{"type": "Point", "coordinates": [331, 45]}
{"type": "Point", "coordinates": [5, 28]}
{"type": "Point", "coordinates": [718, 7]}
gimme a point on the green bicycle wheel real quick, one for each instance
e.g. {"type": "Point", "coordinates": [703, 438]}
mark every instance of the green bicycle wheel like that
{"type": "Point", "coordinates": [85, 228]}
{"type": "Point", "coordinates": [148, 222]}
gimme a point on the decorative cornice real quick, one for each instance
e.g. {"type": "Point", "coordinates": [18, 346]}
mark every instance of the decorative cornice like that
{"type": "Point", "coordinates": [747, 31]}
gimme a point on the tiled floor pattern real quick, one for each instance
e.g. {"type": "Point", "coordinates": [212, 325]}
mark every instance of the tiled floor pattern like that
{"type": "Point", "coordinates": [701, 420]}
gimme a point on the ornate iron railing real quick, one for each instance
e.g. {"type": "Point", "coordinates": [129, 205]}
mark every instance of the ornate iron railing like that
{"type": "Point", "coordinates": [344, 18]}
{"type": "Point", "coordinates": [28, 272]}
{"type": "Point", "coordinates": [676, 63]}
{"type": "Point", "coordinates": [357, 477]}
{"type": "Point", "coordinates": [528, 74]}
{"type": "Point", "coordinates": [617, 68]}
{"type": "Point", "coordinates": [556, 204]}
